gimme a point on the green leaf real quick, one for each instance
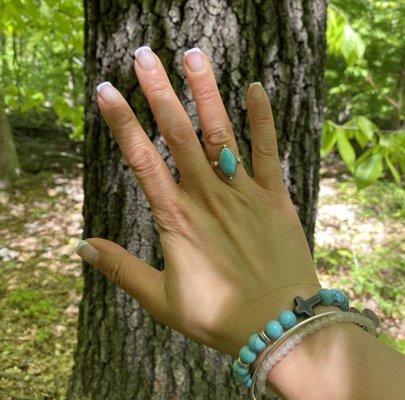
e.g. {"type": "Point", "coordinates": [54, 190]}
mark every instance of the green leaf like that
{"type": "Point", "coordinates": [346, 150]}
{"type": "Point", "coordinates": [335, 24]}
{"type": "Point", "coordinates": [368, 171]}
{"type": "Point", "coordinates": [328, 138]}
{"type": "Point", "coordinates": [352, 46]}
{"type": "Point", "coordinates": [366, 154]}
{"type": "Point", "coordinates": [361, 138]}
{"type": "Point", "coordinates": [392, 168]}
{"type": "Point", "coordinates": [366, 126]}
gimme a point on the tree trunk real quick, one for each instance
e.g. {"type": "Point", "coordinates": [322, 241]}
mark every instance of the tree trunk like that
{"type": "Point", "coordinates": [9, 164]}
{"type": "Point", "coordinates": [122, 352]}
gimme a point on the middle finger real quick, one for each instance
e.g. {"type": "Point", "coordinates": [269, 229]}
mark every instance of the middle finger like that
{"type": "Point", "coordinates": [171, 117]}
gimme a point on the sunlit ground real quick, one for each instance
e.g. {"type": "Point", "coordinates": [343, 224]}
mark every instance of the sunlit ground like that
{"type": "Point", "coordinates": [360, 247]}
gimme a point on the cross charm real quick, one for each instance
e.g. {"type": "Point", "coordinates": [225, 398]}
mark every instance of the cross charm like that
{"type": "Point", "coordinates": [305, 307]}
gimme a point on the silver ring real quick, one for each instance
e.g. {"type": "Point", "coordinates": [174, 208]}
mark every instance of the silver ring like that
{"type": "Point", "coordinates": [227, 161]}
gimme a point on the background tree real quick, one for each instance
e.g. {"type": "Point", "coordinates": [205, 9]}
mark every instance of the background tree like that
{"type": "Point", "coordinates": [9, 164]}
{"type": "Point", "coordinates": [122, 352]}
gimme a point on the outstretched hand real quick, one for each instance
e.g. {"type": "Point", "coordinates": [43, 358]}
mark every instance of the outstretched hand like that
{"type": "Point", "coordinates": [234, 249]}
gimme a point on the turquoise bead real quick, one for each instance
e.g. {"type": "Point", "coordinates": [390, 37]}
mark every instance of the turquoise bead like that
{"type": "Point", "coordinates": [326, 296]}
{"type": "Point", "coordinates": [338, 297]}
{"type": "Point", "coordinates": [246, 355]}
{"type": "Point", "coordinates": [255, 343]}
{"type": "Point", "coordinates": [287, 319]}
{"type": "Point", "coordinates": [346, 297]}
{"type": "Point", "coordinates": [227, 161]}
{"type": "Point", "coordinates": [345, 306]}
{"type": "Point", "coordinates": [238, 370]}
{"type": "Point", "coordinates": [240, 378]}
{"type": "Point", "coordinates": [248, 382]}
{"type": "Point", "coordinates": [273, 329]}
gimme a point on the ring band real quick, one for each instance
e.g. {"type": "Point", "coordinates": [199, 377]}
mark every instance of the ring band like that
{"type": "Point", "coordinates": [227, 161]}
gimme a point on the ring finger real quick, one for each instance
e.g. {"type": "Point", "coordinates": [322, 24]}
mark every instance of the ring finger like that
{"type": "Point", "coordinates": [215, 124]}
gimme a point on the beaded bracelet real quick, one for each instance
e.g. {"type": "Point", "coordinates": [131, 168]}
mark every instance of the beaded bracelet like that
{"type": "Point", "coordinates": [281, 347]}
{"type": "Point", "coordinates": [274, 329]}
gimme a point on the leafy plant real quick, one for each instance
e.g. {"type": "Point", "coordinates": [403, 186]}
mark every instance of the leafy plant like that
{"type": "Point", "coordinates": [342, 38]}
{"type": "Point", "coordinates": [381, 150]}
{"type": "Point", "coordinates": [364, 120]}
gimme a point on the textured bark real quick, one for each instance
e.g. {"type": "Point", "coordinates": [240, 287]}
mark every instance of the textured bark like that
{"type": "Point", "coordinates": [122, 352]}
{"type": "Point", "coordinates": [9, 164]}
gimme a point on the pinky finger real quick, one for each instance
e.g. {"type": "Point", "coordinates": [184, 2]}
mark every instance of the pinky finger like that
{"type": "Point", "coordinates": [266, 166]}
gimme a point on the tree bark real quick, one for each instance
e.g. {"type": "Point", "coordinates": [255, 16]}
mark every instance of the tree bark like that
{"type": "Point", "coordinates": [122, 352]}
{"type": "Point", "coordinates": [9, 163]}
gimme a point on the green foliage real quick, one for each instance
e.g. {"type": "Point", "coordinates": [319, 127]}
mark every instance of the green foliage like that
{"type": "Point", "coordinates": [342, 38]}
{"type": "Point", "coordinates": [364, 115]}
{"type": "Point", "coordinates": [42, 58]}
{"type": "Point", "coordinates": [378, 149]}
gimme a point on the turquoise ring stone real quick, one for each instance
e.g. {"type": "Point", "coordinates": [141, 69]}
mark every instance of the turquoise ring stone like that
{"type": "Point", "coordinates": [227, 161]}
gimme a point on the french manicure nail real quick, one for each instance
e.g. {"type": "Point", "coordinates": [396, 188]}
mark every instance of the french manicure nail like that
{"type": "Point", "coordinates": [145, 57]}
{"type": "Point", "coordinates": [102, 84]}
{"type": "Point", "coordinates": [87, 252]}
{"type": "Point", "coordinates": [256, 91]}
{"type": "Point", "coordinates": [107, 92]}
{"type": "Point", "coordinates": [194, 59]}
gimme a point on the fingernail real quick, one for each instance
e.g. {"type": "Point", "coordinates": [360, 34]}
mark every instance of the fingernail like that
{"type": "Point", "coordinates": [86, 251]}
{"type": "Point", "coordinates": [107, 92]}
{"type": "Point", "coordinates": [256, 91]}
{"type": "Point", "coordinates": [145, 57]}
{"type": "Point", "coordinates": [194, 59]}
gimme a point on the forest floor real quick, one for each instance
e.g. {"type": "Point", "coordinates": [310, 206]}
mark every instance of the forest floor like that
{"type": "Point", "coordinates": [360, 247]}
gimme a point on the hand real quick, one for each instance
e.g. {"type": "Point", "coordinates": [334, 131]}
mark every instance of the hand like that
{"type": "Point", "coordinates": [235, 252]}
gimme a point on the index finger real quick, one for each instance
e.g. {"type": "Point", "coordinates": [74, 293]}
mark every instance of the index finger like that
{"type": "Point", "coordinates": [142, 156]}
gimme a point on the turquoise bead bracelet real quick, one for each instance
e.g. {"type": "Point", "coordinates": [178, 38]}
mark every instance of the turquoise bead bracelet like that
{"type": "Point", "coordinates": [274, 329]}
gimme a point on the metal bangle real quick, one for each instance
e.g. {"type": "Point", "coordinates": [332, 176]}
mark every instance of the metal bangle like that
{"type": "Point", "coordinates": [369, 327]}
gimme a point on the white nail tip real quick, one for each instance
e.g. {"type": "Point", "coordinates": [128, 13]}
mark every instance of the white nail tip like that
{"type": "Point", "coordinates": [80, 244]}
{"type": "Point", "coordinates": [193, 50]}
{"type": "Point", "coordinates": [256, 84]}
{"type": "Point", "coordinates": [102, 84]}
{"type": "Point", "coordinates": [141, 49]}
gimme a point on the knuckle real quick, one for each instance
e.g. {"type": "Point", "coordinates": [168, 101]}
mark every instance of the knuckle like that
{"type": "Point", "coordinates": [175, 218]}
{"type": "Point", "coordinates": [158, 87]}
{"type": "Point", "coordinates": [219, 134]}
{"type": "Point", "coordinates": [180, 134]}
{"type": "Point", "coordinates": [205, 93]}
{"type": "Point", "coordinates": [263, 119]}
{"type": "Point", "coordinates": [144, 160]}
{"type": "Point", "coordinates": [266, 148]}
{"type": "Point", "coordinates": [114, 271]}
{"type": "Point", "coordinates": [124, 123]}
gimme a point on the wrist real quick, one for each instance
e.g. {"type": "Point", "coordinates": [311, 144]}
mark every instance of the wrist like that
{"type": "Point", "coordinates": [317, 310]}
{"type": "Point", "coordinates": [254, 322]}
{"type": "Point", "coordinates": [301, 372]}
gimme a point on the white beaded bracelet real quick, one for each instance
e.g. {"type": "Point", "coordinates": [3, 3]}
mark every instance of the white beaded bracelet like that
{"type": "Point", "coordinates": [282, 346]}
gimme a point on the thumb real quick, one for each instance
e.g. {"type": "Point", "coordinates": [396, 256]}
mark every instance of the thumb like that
{"type": "Point", "coordinates": [135, 276]}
